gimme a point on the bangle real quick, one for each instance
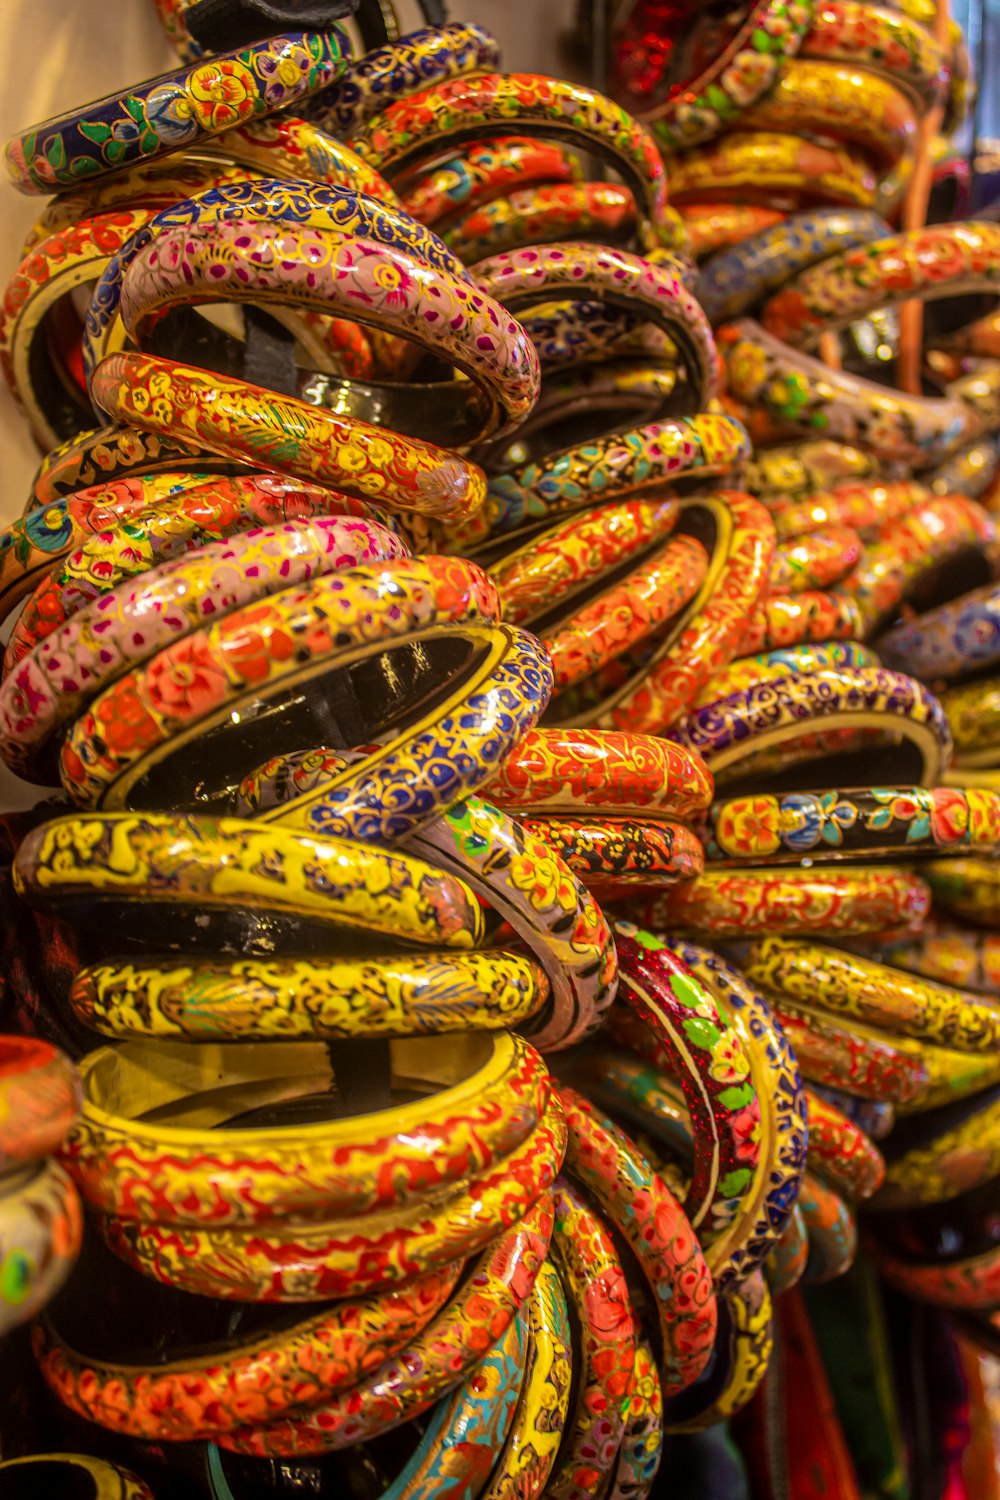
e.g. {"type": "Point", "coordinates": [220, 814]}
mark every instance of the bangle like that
{"type": "Point", "coordinates": [449, 1346]}
{"type": "Point", "coordinates": [802, 468]}
{"type": "Point", "coordinates": [973, 713]}
{"type": "Point", "coordinates": [593, 1279]}
{"type": "Point", "coordinates": [377, 285]}
{"type": "Point", "coordinates": [948, 641]}
{"type": "Point", "coordinates": [41, 1226]}
{"type": "Point", "coordinates": [556, 770]}
{"type": "Point", "coordinates": [842, 103]}
{"type": "Point", "coordinates": [736, 279]}
{"type": "Point", "coordinates": [787, 1262]}
{"type": "Point", "coordinates": [122, 629]}
{"type": "Point", "coordinates": [712, 227]}
{"type": "Point", "coordinates": [855, 1058]}
{"type": "Point", "coordinates": [943, 260]}
{"type": "Point", "coordinates": [175, 111]}
{"type": "Point", "coordinates": [972, 1282]}
{"type": "Point", "coordinates": [70, 1473]}
{"type": "Point", "coordinates": [487, 170]}
{"type": "Point", "coordinates": [642, 1442]}
{"type": "Point", "coordinates": [796, 389]}
{"type": "Point", "coordinates": [643, 1209]}
{"type": "Point", "coordinates": [523, 280]}
{"type": "Point", "coordinates": [600, 211]}
{"type": "Point", "coordinates": [407, 65]}
{"type": "Point", "coordinates": [610, 854]}
{"type": "Point", "coordinates": [671, 451]}
{"type": "Point", "coordinates": [533, 1443]}
{"type": "Point", "coordinates": [880, 41]}
{"type": "Point", "coordinates": [769, 666]}
{"type": "Point", "coordinates": [490, 1094]}
{"type": "Point", "coordinates": [249, 424]}
{"type": "Point", "coordinates": [453, 113]}
{"type": "Point", "coordinates": [832, 1230]}
{"type": "Point", "coordinates": [972, 471]}
{"type": "Point", "coordinates": [104, 455]}
{"type": "Point", "coordinates": [955, 955]}
{"type": "Point", "coordinates": [222, 1388]}
{"type": "Point", "coordinates": [286, 146]}
{"type": "Point", "coordinates": [841, 1152]}
{"type": "Point", "coordinates": [966, 888]}
{"type": "Point", "coordinates": [882, 821]}
{"type": "Point", "coordinates": [815, 561]}
{"type": "Point", "coordinates": [796, 619]}
{"type": "Point", "coordinates": [740, 1360]}
{"type": "Point", "coordinates": [758, 166]}
{"type": "Point", "coordinates": [259, 999]}
{"type": "Point", "coordinates": [865, 506]}
{"type": "Point", "coordinates": [171, 875]}
{"type": "Point", "coordinates": [937, 1157]}
{"type": "Point", "coordinates": [39, 1100]}
{"type": "Point", "coordinates": [737, 903]}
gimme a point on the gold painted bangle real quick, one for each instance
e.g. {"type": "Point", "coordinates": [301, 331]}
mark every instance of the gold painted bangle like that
{"type": "Point", "coordinates": [740, 1361]}
{"type": "Point", "coordinates": [798, 470]}
{"type": "Point", "coordinates": [757, 166]}
{"type": "Point", "coordinates": [966, 888]}
{"type": "Point", "coordinates": [973, 713]}
{"type": "Point", "coordinates": [845, 103]}
{"type": "Point", "coordinates": [69, 1474]}
{"type": "Point", "coordinates": [103, 455]}
{"type": "Point", "coordinates": [939, 1156]}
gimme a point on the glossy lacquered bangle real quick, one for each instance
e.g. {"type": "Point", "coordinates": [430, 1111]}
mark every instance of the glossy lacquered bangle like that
{"type": "Point", "coordinates": [286, 146]}
{"type": "Point", "coordinates": [742, 1356]}
{"type": "Point", "coordinates": [972, 471]}
{"type": "Point", "coordinates": [39, 1100]}
{"type": "Point", "coordinates": [787, 620]}
{"type": "Point", "coordinates": [735, 280]}
{"type": "Point", "coordinates": [90, 1478]}
{"type": "Point", "coordinates": [939, 1156]}
{"type": "Point", "coordinates": [758, 166]}
{"type": "Point", "coordinates": [966, 888]}
{"type": "Point", "coordinates": [786, 1263]}
{"type": "Point", "coordinates": [880, 40]}
{"type": "Point", "coordinates": [486, 170]}
{"type": "Point", "coordinates": [797, 470]}
{"type": "Point", "coordinates": [832, 1230]}
{"type": "Point", "coordinates": [815, 561]}
{"type": "Point", "coordinates": [41, 1224]}
{"type": "Point", "coordinates": [735, 903]}
{"type": "Point", "coordinates": [103, 455]}
{"type": "Point", "coordinates": [840, 1151]}
{"type": "Point", "coordinates": [960, 956]}
{"type": "Point", "coordinates": [600, 211]}
{"type": "Point", "coordinates": [609, 854]}
{"type": "Point", "coordinates": [973, 712]}
{"type": "Point", "coordinates": [426, 1369]}
{"type": "Point", "coordinates": [840, 103]}
{"type": "Point", "coordinates": [175, 111]}
{"type": "Point", "coordinates": [526, 104]}
{"type": "Point", "coordinates": [972, 1282]}
{"type": "Point", "coordinates": [746, 672]}
{"type": "Point", "coordinates": [642, 1442]}
{"type": "Point", "coordinates": [643, 1209]}
{"type": "Point", "coordinates": [866, 505]}
{"type": "Point", "coordinates": [251, 425]}
{"type": "Point", "coordinates": [950, 641]}
{"type": "Point", "coordinates": [795, 389]}
{"type": "Point", "coordinates": [714, 227]}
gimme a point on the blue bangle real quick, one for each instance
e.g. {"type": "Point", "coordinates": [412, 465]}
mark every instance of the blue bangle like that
{"type": "Point", "coordinates": [733, 281]}
{"type": "Point", "coordinates": [950, 641]}
{"type": "Point", "coordinates": [175, 111]}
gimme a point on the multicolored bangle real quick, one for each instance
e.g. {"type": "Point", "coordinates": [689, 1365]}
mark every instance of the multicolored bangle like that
{"type": "Point", "coordinates": [610, 854]}
{"type": "Point", "coordinates": [843, 103]}
{"type": "Point", "coordinates": [41, 1226]}
{"type": "Point", "coordinates": [175, 111]}
{"type": "Point", "coordinates": [740, 1361]}
{"type": "Point", "coordinates": [880, 40]}
{"type": "Point", "coordinates": [840, 1151]}
{"type": "Point", "coordinates": [285, 146]}
{"type": "Point", "coordinates": [104, 455]}
{"type": "Point", "coordinates": [973, 713]}
{"type": "Point", "coordinates": [866, 506]}
{"type": "Point", "coordinates": [487, 170]}
{"type": "Point", "coordinates": [949, 641]}
{"type": "Point", "coordinates": [600, 211]}
{"type": "Point", "coordinates": [250, 424]}
{"type": "Point", "coordinates": [832, 1230]}
{"type": "Point", "coordinates": [737, 903]}
{"type": "Point", "coordinates": [735, 280]}
{"type": "Point", "coordinates": [800, 469]}
{"type": "Point", "coordinates": [788, 620]}
{"type": "Point", "coordinates": [854, 1058]}
{"type": "Point", "coordinates": [815, 561]}
{"type": "Point", "coordinates": [787, 1262]}
{"type": "Point", "coordinates": [39, 1101]}
{"type": "Point", "coordinates": [713, 227]}
{"type": "Point", "coordinates": [967, 888]}
{"type": "Point", "coordinates": [955, 955]}
{"type": "Point", "coordinates": [759, 166]}
{"type": "Point", "coordinates": [642, 1443]}
{"type": "Point", "coordinates": [972, 1282]}
{"type": "Point", "coordinates": [937, 1157]}
{"type": "Point", "coordinates": [21, 1477]}
{"type": "Point", "coordinates": [746, 672]}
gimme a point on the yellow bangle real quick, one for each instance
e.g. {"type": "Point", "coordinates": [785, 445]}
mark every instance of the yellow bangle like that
{"type": "Point", "coordinates": [69, 1474]}
{"type": "Point", "coordinates": [967, 888]}
{"type": "Point", "coordinates": [973, 714]}
{"type": "Point", "coordinates": [755, 166]}
{"type": "Point", "coordinates": [842, 102]}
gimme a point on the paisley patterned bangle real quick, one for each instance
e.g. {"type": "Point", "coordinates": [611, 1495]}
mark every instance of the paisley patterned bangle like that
{"type": "Point", "coordinates": [841, 1152]}
{"type": "Point", "coordinates": [788, 620]}
{"type": "Point", "coordinates": [39, 1100]}
{"type": "Point", "coordinates": [836, 825]}
{"type": "Point", "coordinates": [610, 854]}
{"type": "Point", "coordinates": [175, 111]}
{"type": "Point", "coordinates": [250, 424]}
{"type": "Point", "coordinates": [815, 561]}
{"type": "Point", "coordinates": [736, 279]}
{"type": "Point", "coordinates": [933, 1158]}
{"type": "Point", "coordinates": [535, 216]}
{"type": "Point", "coordinates": [150, 872]}
{"type": "Point", "coordinates": [798, 390]}
{"type": "Point", "coordinates": [949, 641]}
{"type": "Point", "coordinates": [732, 904]}
{"type": "Point", "coordinates": [41, 1225]}
{"type": "Point", "coordinates": [865, 506]}
{"type": "Point", "coordinates": [713, 227]}
{"type": "Point", "coordinates": [758, 166]}
{"type": "Point", "coordinates": [591, 1272]}
{"type": "Point", "coordinates": [525, 279]}
{"type": "Point", "coordinates": [643, 1209]}
{"type": "Point", "coordinates": [841, 103]}
{"type": "Point", "coordinates": [487, 170]}
{"type": "Point", "coordinates": [880, 40]}
{"type": "Point", "coordinates": [973, 713]}
{"type": "Point", "coordinates": [832, 1230]}
{"type": "Point", "coordinates": [91, 1478]}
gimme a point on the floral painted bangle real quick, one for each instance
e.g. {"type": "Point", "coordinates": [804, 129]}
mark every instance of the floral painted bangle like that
{"type": "Point", "coordinates": [643, 1209]}
{"type": "Point", "coordinates": [610, 854]}
{"type": "Point", "coordinates": [407, 65]}
{"type": "Point", "coordinates": [486, 170]}
{"type": "Point", "coordinates": [832, 1230]}
{"type": "Point", "coordinates": [937, 1157]}
{"type": "Point", "coordinates": [746, 672]}
{"type": "Point", "coordinates": [464, 108]}
{"type": "Point", "coordinates": [841, 1152]}
{"type": "Point", "coordinates": [567, 770]}
{"type": "Point", "coordinates": [866, 506]}
{"type": "Point", "coordinates": [972, 1282]}
{"type": "Point", "coordinates": [376, 285]}
{"type": "Point", "coordinates": [250, 424]}
{"type": "Point", "coordinates": [742, 1355]}
{"type": "Point", "coordinates": [733, 904]}
{"type": "Point", "coordinates": [642, 1443]}
{"type": "Point", "coordinates": [90, 1478]}
{"type": "Point", "coordinates": [880, 40]}
{"type": "Point", "coordinates": [949, 641]}
{"type": "Point", "coordinates": [591, 1272]}
{"type": "Point", "coordinates": [175, 111]}
{"type": "Point", "coordinates": [960, 956]}
{"type": "Point", "coordinates": [856, 1059]}
{"type": "Point", "coordinates": [815, 561]}
{"type": "Point", "coordinates": [600, 211]}
{"type": "Point", "coordinates": [286, 146]}
{"type": "Point", "coordinates": [973, 712]}
{"type": "Point", "coordinates": [796, 389]}
{"type": "Point", "coordinates": [41, 1225]}
{"type": "Point", "coordinates": [104, 455]}
{"type": "Point", "coordinates": [800, 469]}
{"type": "Point", "coordinates": [714, 227]}
{"type": "Point", "coordinates": [966, 888]}
{"type": "Point", "coordinates": [789, 620]}
{"type": "Point", "coordinates": [437, 1359]}
{"type": "Point", "coordinates": [761, 166]}
{"type": "Point", "coordinates": [786, 1263]}
{"type": "Point", "coordinates": [840, 102]}
{"type": "Point", "coordinates": [149, 871]}
{"type": "Point", "coordinates": [667, 452]}
{"type": "Point", "coordinates": [525, 279]}
{"type": "Point", "coordinates": [39, 1100]}
{"type": "Point", "coordinates": [734, 281]}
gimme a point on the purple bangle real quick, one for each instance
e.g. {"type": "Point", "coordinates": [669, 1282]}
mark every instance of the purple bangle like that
{"type": "Point", "coordinates": [948, 642]}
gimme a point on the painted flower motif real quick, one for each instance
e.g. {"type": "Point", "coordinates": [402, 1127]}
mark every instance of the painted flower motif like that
{"type": "Point", "coordinates": [748, 77]}
{"type": "Point", "coordinates": [187, 682]}
{"type": "Point", "coordinates": [949, 816]}
{"type": "Point", "coordinates": [749, 825]}
{"type": "Point", "coordinates": [729, 1062]}
{"type": "Point", "coordinates": [222, 93]}
{"type": "Point", "coordinates": [747, 368]}
{"type": "Point", "coordinates": [169, 114]}
{"type": "Point", "coordinates": [745, 1127]}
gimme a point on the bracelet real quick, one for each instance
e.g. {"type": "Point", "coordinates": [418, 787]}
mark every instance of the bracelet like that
{"type": "Point", "coordinates": [41, 1226]}
{"type": "Point", "coordinates": [642, 1442]}
{"type": "Point", "coordinates": [973, 713]}
{"type": "Point", "coordinates": [64, 1473]}
{"type": "Point", "coordinates": [881, 41]}
{"type": "Point", "coordinates": [739, 1363]}
{"type": "Point", "coordinates": [972, 471]}
{"type": "Point", "coordinates": [175, 111]}
{"type": "Point", "coordinates": [169, 874]}
{"type": "Point", "coordinates": [938, 1157]}
{"type": "Point", "coordinates": [796, 389]}
{"type": "Point", "coordinates": [670, 452]}
{"type": "Point", "coordinates": [746, 672]}
{"type": "Point", "coordinates": [600, 211]}
{"type": "Point", "coordinates": [882, 821]}
{"type": "Point", "coordinates": [448, 1347]}
{"type": "Point", "coordinates": [841, 1152]}
{"type": "Point", "coordinates": [217, 1390]}
{"type": "Point", "coordinates": [286, 146]}
{"type": "Point", "coordinates": [973, 1282]}
{"type": "Point", "coordinates": [797, 619]}
{"type": "Point", "coordinates": [865, 506]}
{"type": "Point", "coordinates": [410, 63]}
{"type": "Point", "coordinates": [843, 103]}
{"type": "Point", "coordinates": [960, 956]}
{"type": "Point", "coordinates": [787, 1262]}
{"type": "Point", "coordinates": [761, 166]}
{"type": "Point", "coordinates": [487, 170]}
{"type": "Point", "coordinates": [456, 112]}
{"type": "Point", "coordinates": [610, 854]}
{"type": "Point", "coordinates": [557, 770]}
{"type": "Point", "coordinates": [120, 630]}
{"type": "Point", "coordinates": [104, 455]}
{"type": "Point", "coordinates": [593, 1279]}
{"type": "Point", "coordinates": [966, 888]}
{"type": "Point", "coordinates": [832, 1230]}
{"type": "Point", "coordinates": [713, 227]}
{"type": "Point", "coordinates": [735, 280]}
{"type": "Point", "coordinates": [260, 999]}
{"type": "Point", "coordinates": [737, 903]}
{"type": "Point", "coordinates": [523, 280]}
{"type": "Point", "coordinates": [39, 1100]}
{"type": "Point", "coordinates": [950, 640]}
{"type": "Point", "coordinates": [248, 424]}
{"type": "Point", "coordinates": [376, 285]}
{"type": "Point", "coordinates": [643, 1209]}
{"type": "Point", "coordinates": [815, 561]}
{"type": "Point", "coordinates": [535, 1435]}
{"type": "Point", "coordinates": [802, 468]}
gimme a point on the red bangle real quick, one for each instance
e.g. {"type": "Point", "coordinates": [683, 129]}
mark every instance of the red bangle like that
{"type": "Point", "coordinates": [484, 171]}
{"type": "Point", "coordinates": [798, 619]}
{"type": "Point", "coordinates": [840, 1151]}
{"type": "Point", "coordinates": [39, 1100]}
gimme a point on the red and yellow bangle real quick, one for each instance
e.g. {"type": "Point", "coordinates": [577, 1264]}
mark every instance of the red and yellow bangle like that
{"type": "Point", "coordinates": [796, 619]}
{"type": "Point", "coordinates": [39, 1100]}
{"type": "Point", "coordinates": [757, 166]}
{"type": "Point", "coordinates": [840, 1151]}
{"type": "Point", "coordinates": [103, 455]}
{"type": "Point", "coordinates": [642, 1444]}
{"type": "Point", "coordinates": [740, 1362]}
{"type": "Point", "coordinates": [972, 1282]}
{"type": "Point", "coordinates": [966, 888]}
{"type": "Point", "coordinates": [954, 955]}
{"type": "Point", "coordinates": [816, 561]}
{"type": "Point", "coordinates": [798, 470]}
{"type": "Point", "coordinates": [832, 1230]}
{"type": "Point", "coordinates": [610, 854]}
{"type": "Point", "coordinates": [483, 171]}
{"type": "Point", "coordinates": [600, 211]}
{"type": "Point", "coordinates": [842, 103]}
{"type": "Point", "coordinates": [718, 225]}
{"type": "Point", "coordinates": [866, 506]}
{"type": "Point", "coordinates": [880, 40]}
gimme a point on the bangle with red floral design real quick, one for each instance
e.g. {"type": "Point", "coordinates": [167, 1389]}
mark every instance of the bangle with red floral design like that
{"type": "Point", "coordinates": [815, 561]}
{"type": "Point", "coordinates": [786, 1263]}
{"type": "Point", "coordinates": [832, 1230]}
{"type": "Point", "coordinates": [103, 455]}
{"type": "Point", "coordinates": [456, 112]}
{"type": "Point", "coordinates": [39, 1100]}
{"type": "Point", "coordinates": [536, 216]}
{"type": "Point", "coordinates": [71, 1473]}
{"type": "Point", "coordinates": [716, 226]}
{"type": "Point", "coordinates": [438, 1358]}
{"type": "Point", "coordinates": [796, 619]}
{"type": "Point", "coordinates": [756, 166]}
{"type": "Point", "coordinates": [865, 506]}
{"type": "Point", "coordinates": [798, 470]}
{"type": "Point", "coordinates": [609, 854]}
{"type": "Point", "coordinates": [739, 1363]}
{"type": "Point", "coordinates": [840, 1151]}
{"type": "Point", "coordinates": [486, 170]}
{"type": "Point", "coordinates": [249, 424]}
{"type": "Point", "coordinates": [854, 1058]}
{"type": "Point", "coordinates": [591, 1271]}
{"type": "Point", "coordinates": [738, 903]}
{"type": "Point", "coordinates": [642, 1208]}
{"type": "Point", "coordinates": [642, 1444]}
{"type": "Point", "coordinates": [880, 40]}
{"type": "Point", "coordinates": [841, 103]}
